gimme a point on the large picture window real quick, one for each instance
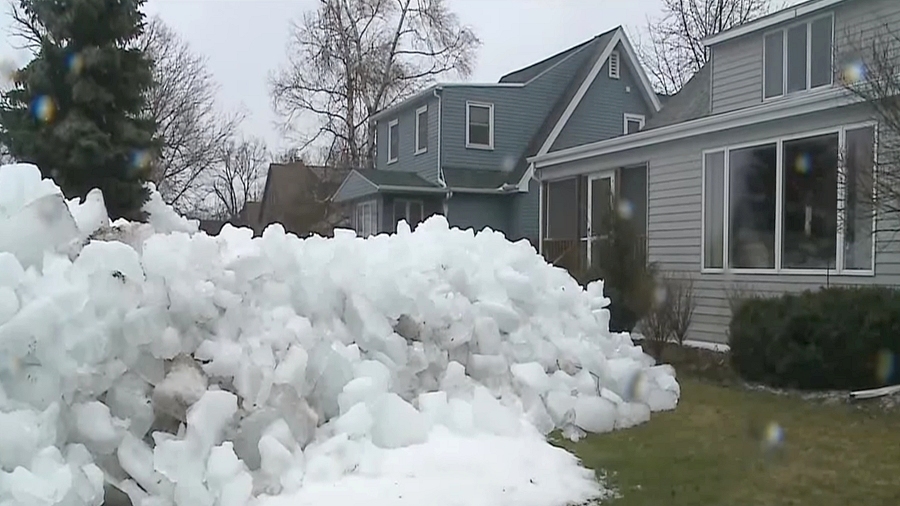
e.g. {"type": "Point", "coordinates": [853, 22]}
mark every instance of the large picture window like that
{"type": "Point", "coordinates": [795, 204]}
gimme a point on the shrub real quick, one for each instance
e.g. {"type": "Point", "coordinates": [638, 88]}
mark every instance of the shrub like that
{"type": "Point", "coordinates": [835, 338]}
{"type": "Point", "coordinates": [670, 317]}
{"type": "Point", "coordinates": [620, 260]}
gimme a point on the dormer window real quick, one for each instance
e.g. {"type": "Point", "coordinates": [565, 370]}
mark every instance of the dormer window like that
{"type": "Point", "coordinates": [614, 65]}
{"type": "Point", "coordinates": [799, 57]}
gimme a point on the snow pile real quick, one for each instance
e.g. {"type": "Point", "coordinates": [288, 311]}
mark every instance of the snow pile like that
{"type": "Point", "coordinates": [195, 370]}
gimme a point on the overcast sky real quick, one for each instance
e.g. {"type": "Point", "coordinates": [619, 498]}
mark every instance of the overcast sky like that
{"type": "Point", "coordinates": [244, 40]}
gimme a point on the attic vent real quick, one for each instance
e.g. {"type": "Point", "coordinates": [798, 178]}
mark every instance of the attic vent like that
{"type": "Point", "coordinates": [614, 65]}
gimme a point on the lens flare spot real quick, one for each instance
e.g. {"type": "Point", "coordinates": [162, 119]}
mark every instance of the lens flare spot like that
{"type": "Point", "coordinates": [75, 63]}
{"type": "Point", "coordinates": [854, 72]}
{"type": "Point", "coordinates": [886, 366]}
{"type": "Point", "coordinates": [625, 209]}
{"type": "Point", "coordinates": [803, 164]}
{"type": "Point", "coordinates": [638, 388]}
{"type": "Point", "coordinates": [43, 108]}
{"type": "Point", "coordinates": [140, 159]}
{"type": "Point", "coordinates": [773, 436]}
{"type": "Point", "coordinates": [508, 163]}
{"type": "Point", "coordinates": [660, 295]}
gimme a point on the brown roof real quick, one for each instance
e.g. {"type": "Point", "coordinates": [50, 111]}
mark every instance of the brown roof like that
{"type": "Point", "coordinates": [295, 193]}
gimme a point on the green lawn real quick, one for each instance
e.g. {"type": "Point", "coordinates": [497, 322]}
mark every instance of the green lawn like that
{"type": "Point", "coordinates": [705, 453]}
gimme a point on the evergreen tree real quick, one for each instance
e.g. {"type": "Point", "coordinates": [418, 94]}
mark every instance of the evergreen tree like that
{"type": "Point", "coordinates": [75, 110]}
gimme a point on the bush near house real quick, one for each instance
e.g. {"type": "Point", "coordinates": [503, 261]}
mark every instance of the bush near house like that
{"type": "Point", "coordinates": [629, 279]}
{"type": "Point", "coordinates": [834, 338]}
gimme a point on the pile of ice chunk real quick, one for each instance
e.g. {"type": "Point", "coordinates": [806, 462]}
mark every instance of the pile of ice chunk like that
{"type": "Point", "coordinates": [194, 370]}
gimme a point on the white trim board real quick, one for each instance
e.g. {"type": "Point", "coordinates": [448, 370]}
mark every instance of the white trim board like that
{"type": "Point", "coordinates": [816, 101]}
{"type": "Point", "coordinates": [618, 37]}
{"type": "Point", "coordinates": [771, 20]}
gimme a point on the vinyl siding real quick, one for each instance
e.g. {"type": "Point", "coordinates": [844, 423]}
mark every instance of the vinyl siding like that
{"type": "Point", "coordinates": [424, 164]}
{"type": "Point", "coordinates": [601, 113]}
{"type": "Point", "coordinates": [354, 187]}
{"type": "Point", "coordinates": [738, 64]}
{"type": "Point", "coordinates": [518, 113]}
{"type": "Point", "coordinates": [526, 213]}
{"type": "Point", "coordinates": [674, 210]}
{"type": "Point", "coordinates": [479, 211]}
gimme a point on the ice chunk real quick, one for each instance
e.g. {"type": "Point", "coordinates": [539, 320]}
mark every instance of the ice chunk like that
{"type": "Point", "coordinates": [532, 376]}
{"type": "Point", "coordinates": [492, 417]}
{"type": "Point", "coordinates": [595, 414]}
{"type": "Point", "coordinates": [184, 385]}
{"type": "Point", "coordinates": [96, 427]}
{"type": "Point", "coordinates": [355, 422]}
{"type": "Point", "coordinates": [397, 423]}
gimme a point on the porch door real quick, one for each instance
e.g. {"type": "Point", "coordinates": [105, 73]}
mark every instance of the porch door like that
{"type": "Point", "coordinates": [601, 191]}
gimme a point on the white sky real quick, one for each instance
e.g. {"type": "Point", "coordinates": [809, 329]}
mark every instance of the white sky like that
{"type": "Point", "coordinates": [244, 40]}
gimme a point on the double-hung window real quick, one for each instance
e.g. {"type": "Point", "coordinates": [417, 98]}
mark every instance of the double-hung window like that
{"type": "Point", "coordinates": [479, 125]}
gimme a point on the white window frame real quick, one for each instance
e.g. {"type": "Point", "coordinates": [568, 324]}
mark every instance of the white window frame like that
{"type": "Point", "coordinates": [614, 71]}
{"type": "Point", "coordinates": [632, 117]}
{"type": "Point", "coordinates": [366, 228]}
{"type": "Point", "coordinates": [407, 204]}
{"type": "Point", "coordinates": [784, 58]}
{"type": "Point", "coordinates": [391, 156]}
{"type": "Point", "coordinates": [490, 107]}
{"type": "Point", "coordinates": [838, 268]}
{"type": "Point", "coordinates": [419, 112]}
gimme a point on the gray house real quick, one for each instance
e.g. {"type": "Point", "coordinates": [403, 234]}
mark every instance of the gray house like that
{"type": "Point", "coordinates": [461, 149]}
{"type": "Point", "coordinates": [743, 165]}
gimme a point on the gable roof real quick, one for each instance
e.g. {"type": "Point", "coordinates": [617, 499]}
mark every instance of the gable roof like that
{"type": "Point", "coordinates": [691, 101]}
{"type": "Point", "coordinates": [288, 182]}
{"type": "Point", "coordinates": [528, 73]}
{"type": "Point", "coordinates": [772, 19]}
{"type": "Point", "coordinates": [565, 106]}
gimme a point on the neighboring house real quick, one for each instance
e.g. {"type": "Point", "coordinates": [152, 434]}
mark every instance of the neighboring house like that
{"type": "Point", "coordinates": [297, 196]}
{"type": "Point", "coordinates": [461, 149]}
{"type": "Point", "coordinates": [743, 165]}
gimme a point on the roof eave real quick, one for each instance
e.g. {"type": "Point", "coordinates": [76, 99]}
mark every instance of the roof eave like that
{"type": "Point", "coordinates": [833, 97]}
{"type": "Point", "coordinates": [771, 20]}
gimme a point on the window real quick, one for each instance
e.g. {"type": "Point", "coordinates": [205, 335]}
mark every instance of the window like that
{"type": "Point", "coordinates": [809, 217]}
{"type": "Point", "coordinates": [393, 141]}
{"type": "Point", "coordinates": [562, 220]}
{"type": "Point", "coordinates": [614, 65]}
{"type": "Point", "coordinates": [633, 123]}
{"type": "Point", "coordinates": [857, 190]}
{"type": "Point", "coordinates": [799, 57]}
{"type": "Point", "coordinates": [366, 219]}
{"type": "Point", "coordinates": [713, 205]}
{"type": "Point", "coordinates": [422, 130]}
{"type": "Point", "coordinates": [795, 204]}
{"type": "Point", "coordinates": [480, 121]}
{"type": "Point", "coordinates": [751, 207]}
{"type": "Point", "coordinates": [409, 211]}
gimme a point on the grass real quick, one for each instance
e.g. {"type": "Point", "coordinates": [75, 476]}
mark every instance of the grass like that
{"type": "Point", "coordinates": [709, 452]}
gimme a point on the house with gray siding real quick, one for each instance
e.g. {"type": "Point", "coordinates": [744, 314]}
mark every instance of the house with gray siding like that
{"type": "Point", "coordinates": [757, 171]}
{"type": "Point", "coordinates": [461, 149]}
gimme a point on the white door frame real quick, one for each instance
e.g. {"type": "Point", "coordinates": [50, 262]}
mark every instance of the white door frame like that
{"type": "Point", "coordinates": [606, 174]}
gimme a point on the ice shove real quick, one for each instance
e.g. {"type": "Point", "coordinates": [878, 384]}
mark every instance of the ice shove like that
{"type": "Point", "coordinates": [185, 369]}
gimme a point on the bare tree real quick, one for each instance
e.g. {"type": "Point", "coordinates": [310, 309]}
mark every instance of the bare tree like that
{"type": "Point", "coordinates": [868, 65]}
{"type": "Point", "coordinates": [349, 59]}
{"type": "Point", "coordinates": [239, 177]}
{"type": "Point", "coordinates": [673, 50]}
{"type": "Point", "coordinates": [183, 103]}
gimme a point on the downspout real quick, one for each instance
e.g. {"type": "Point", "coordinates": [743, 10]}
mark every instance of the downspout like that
{"type": "Point", "coordinates": [440, 166]}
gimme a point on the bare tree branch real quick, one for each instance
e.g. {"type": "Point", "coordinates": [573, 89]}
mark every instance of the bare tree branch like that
{"type": "Point", "coordinates": [673, 50]}
{"type": "Point", "coordinates": [239, 178]}
{"type": "Point", "coordinates": [350, 59]}
{"type": "Point", "coordinates": [868, 65]}
{"type": "Point", "coordinates": [183, 104]}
